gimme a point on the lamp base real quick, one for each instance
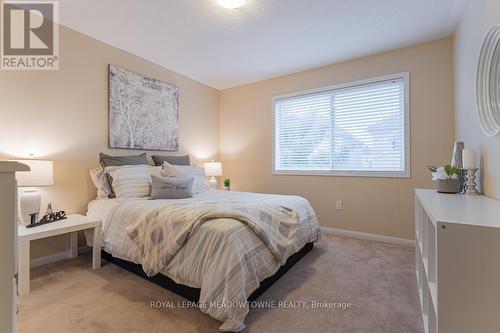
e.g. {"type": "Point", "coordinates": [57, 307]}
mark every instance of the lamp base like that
{"type": "Point", "coordinates": [212, 184]}
{"type": "Point", "coordinates": [29, 203]}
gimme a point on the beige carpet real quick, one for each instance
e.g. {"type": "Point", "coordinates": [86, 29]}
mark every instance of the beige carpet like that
{"type": "Point", "coordinates": [377, 279]}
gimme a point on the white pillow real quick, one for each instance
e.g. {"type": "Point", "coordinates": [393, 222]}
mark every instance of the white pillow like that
{"type": "Point", "coordinates": [187, 171]}
{"type": "Point", "coordinates": [100, 182]}
{"type": "Point", "coordinates": [132, 181]}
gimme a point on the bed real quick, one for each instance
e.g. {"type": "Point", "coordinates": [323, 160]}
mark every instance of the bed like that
{"type": "Point", "coordinates": [222, 264]}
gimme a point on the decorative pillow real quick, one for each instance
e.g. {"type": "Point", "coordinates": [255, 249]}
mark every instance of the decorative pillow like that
{"type": "Point", "coordinates": [173, 160]}
{"type": "Point", "coordinates": [185, 171]}
{"type": "Point", "coordinates": [100, 182]}
{"type": "Point", "coordinates": [108, 160]}
{"type": "Point", "coordinates": [132, 181]}
{"type": "Point", "coordinates": [171, 187]}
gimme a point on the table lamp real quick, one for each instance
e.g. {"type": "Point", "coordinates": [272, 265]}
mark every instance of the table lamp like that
{"type": "Point", "coordinates": [41, 174]}
{"type": "Point", "coordinates": [213, 169]}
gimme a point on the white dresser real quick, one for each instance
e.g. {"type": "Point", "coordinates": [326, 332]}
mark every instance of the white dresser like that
{"type": "Point", "coordinates": [458, 262]}
{"type": "Point", "coordinates": [8, 236]}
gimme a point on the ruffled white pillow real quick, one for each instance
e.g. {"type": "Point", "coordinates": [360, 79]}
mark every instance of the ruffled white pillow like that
{"type": "Point", "coordinates": [187, 171]}
{"type": "Point", "coordinates": [100, 182]}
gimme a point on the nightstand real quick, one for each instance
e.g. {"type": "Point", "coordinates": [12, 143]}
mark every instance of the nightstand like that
{"type": "Point", "coordinates": [71, 225]}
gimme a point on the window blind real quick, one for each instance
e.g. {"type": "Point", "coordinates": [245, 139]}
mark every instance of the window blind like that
{"type": "Point", "coordinates": [358, 128]}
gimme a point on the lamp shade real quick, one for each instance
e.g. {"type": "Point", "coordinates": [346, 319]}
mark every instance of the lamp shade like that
{"type": "Point", "coordinates": [41, 174]}
{"type": "Point", "coordinates": [213, 169]}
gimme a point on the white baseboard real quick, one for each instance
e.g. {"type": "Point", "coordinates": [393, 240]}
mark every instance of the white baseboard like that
{"type": "Point", "coordinates": [364, 235]}
{"type": "Point", "coordinates": [58, 256]}
{"type": "Point", "coordinates": [50, 258]}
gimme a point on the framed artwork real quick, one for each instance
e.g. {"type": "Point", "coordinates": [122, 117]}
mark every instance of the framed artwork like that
{"type": "Point", "coordinates": [143, 112]}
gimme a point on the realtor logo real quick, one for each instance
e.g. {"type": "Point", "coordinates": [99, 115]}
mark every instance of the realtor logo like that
{"type": "Point", "coordinates": [29, 35]}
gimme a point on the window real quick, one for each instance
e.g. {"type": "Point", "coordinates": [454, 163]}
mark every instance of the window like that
{"type": "Point", "coordinates": [361, 128]}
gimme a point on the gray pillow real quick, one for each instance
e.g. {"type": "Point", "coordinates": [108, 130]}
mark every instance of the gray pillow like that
{"type": "Point", "coordinates": [171, 187]}
{"type": "Point", "coordinates": [106, 160]}
{"type": "Point", "coordinates": [174, 160]}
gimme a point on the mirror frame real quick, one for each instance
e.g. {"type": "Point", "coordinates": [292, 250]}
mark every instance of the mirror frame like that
{"type": "Point", "coordinates": [488, 83]}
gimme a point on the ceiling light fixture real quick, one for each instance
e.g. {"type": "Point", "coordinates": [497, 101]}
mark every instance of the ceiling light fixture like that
{"type": "Point", "coordinates": [231, 4]}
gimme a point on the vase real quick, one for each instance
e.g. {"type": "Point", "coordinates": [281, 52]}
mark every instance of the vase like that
{"type": "Point", "coordinates": [227, 188]}
{"type": "Point", "coordinates": [456, 158]}
{"type": "Point", "coordinates": [457, 162]}
{"type": "Point", "coordinates": [447, 185]}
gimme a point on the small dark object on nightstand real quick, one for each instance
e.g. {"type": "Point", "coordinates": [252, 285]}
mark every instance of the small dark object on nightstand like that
{"type": "Point", "coordinates": [33, 217]}
{"type": "Point", "coordinates": [46, 219]}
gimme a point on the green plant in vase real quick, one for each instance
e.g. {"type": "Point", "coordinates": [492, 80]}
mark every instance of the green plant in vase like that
{"type": "Point", "coordinates": [446, 178]}
{"type": "Point", "coordinates": [227, 184]}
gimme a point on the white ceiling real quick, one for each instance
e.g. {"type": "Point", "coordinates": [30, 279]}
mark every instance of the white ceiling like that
{"type": "Point", "coordinates": [265, 38]}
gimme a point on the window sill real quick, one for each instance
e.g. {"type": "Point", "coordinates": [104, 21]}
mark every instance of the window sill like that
{"type": "Point", "coordinates": [373, 174]}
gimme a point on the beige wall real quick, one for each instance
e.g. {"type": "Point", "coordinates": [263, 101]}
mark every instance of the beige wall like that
{"type": "Point", "coordinates": [63, 115]}
{"type": "Point", "coordinates": [478, 18]}
{"type": "Point", "coordinates": [374, 205]}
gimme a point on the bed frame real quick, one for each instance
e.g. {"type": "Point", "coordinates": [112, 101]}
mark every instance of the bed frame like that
{"type": "Point", "coordinates": [193, 294]}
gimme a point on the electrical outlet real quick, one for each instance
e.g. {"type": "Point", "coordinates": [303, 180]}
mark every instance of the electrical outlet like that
{"type": "Point", "coordinates": [339, 204]}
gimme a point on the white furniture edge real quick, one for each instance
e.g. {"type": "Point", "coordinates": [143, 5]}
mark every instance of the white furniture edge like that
{"type": "Point", "coordinates": [456, 261]}
{"type": "Point", "coordinates": [8, 221]}
{"type": "Point", "coordinates": [24, 262]}
{"type": "Point", "coordinates": [368, 236]}
{"type": "Point", "coordinates": [9, 166]}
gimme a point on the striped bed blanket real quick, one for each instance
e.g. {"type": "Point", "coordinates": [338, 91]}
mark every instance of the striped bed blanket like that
{"type": "Point", "coordinates": [161, 234]}
{"type": "Point", "coordinates": [224, 243]}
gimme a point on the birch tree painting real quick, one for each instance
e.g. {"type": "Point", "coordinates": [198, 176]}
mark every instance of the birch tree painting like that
{"type": "Point", "coordinates": [143, 112]}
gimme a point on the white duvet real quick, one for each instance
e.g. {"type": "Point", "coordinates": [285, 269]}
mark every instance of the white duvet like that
{"type": "Point", "coordinates": [223, 257]}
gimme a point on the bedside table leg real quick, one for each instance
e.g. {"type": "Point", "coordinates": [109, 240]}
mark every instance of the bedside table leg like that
{"type": "Point", "coordinates": [74, 244]}
{"type": "Point", "coordinates": [23, 274]}
{"type": "Point", "coordinates": [96, 248]}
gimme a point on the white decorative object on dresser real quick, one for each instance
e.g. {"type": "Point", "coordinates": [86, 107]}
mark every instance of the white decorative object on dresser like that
{"type": "Point", "coordinates": [458, 262]}
{"type": "Point", "coordinates": [71, 225]}
{"type": "Point", "coordinates": [8, 223]}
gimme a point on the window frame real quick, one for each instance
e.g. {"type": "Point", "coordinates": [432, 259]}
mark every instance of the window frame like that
{"type": "Point", "coordinates": [406, 173]}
